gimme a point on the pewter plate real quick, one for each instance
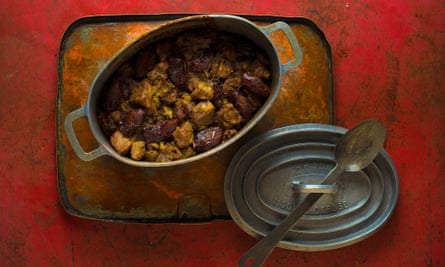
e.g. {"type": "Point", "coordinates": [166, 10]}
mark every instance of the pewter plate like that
{"type": "Point", "coordinates": [260, 189]}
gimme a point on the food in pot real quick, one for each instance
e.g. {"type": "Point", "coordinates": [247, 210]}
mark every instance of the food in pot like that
{"type": "Point", "coordinates": [184, 95]}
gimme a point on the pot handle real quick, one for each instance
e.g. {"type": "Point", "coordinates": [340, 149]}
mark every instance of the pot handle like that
{"type": "Point", "coordinates": [72, 138]}
{"type": "Point", "coordinates": [298, 54]}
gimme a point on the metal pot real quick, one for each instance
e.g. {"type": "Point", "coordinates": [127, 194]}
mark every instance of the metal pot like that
{"type": "Point", "coordinates": [228, 23]}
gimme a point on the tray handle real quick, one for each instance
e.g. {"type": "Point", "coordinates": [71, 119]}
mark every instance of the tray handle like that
{"type": "Point", "coordinates": [287, 30]}
{"type": "Point", "coordinates": [72, 138]}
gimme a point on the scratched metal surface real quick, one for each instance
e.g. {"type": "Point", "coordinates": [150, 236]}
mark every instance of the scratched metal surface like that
{"type": "Point", "coordinates": [106, 189]}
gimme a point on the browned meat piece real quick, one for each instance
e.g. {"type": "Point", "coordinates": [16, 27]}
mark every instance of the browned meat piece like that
{"type": "Point", "coordinates": [107, 124]}
{"type": "Point", "coordinates": [228, 134]}
{"type": "Point", "coordinates": [255, 85]}
{"type": "Point", "coordinates": [161, 131]}
{"type": "Point", "coordinates": [169, 152]}
{"type": "Point", "coordinates": [183, 106]}
{"type": "Point", "coordinates": [221, 68]}
{"type": "Point", "coordinates": [118, 90]}
{"type": "Point", "coordinates": [231, 84]}
{"type": "Point", "coordinates": [201, 88]}
{"type": "Point", "coordinates": [183, 135]}
{"type": "Point", "coordinates": [207, 139]}
{"type": "Point", "coordinates": [142, 94]}
{"type": "Point", "coordinates": [145, 62]}
{"type": "Point", "coordinates": [184, 99]}
{"type": "Point", "coordinates": [159, 72]}
{"type": "Point", "coordinates": [120, 143]}
{"type": "Point", "coordinates": [176, 72]}
{"type": "Point", "coordinates": [131, 121]}
{"type": "Point", "coordinates": [138, 150]}
{"type": "Point", "coordinates": [228, 117]}
{"type": "Point", "coordinates": [166, 112]}
{"type": "Point", "coordinates": [200, 62]}
{"type": "Point", "coordinates": [166, 91]}
{"type": "Point", "coordinates": [151, 154]}
{"type": "Point", "coordinates": [202, 114]}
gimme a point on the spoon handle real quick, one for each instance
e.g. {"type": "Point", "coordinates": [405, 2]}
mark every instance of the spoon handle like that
{"type": "Point", "coordinates": [256, 255]}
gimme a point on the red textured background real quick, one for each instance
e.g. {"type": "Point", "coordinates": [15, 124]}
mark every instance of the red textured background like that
{"type": "Point", "coordinates": [389, 62]}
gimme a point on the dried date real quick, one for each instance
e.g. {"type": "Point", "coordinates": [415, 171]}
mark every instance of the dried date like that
{"type": "Point", "coordinates": [200, 62]}
{"type": "Point", "coordinates": [176, 72]}
{"type": "Point", "coordinates": [255, 85]}
{"type": "Point", "coordinates": [160, 131]}
{"type": "Point", "coordinates": [131, 121]}
{"type": "Point", "coordinates": [207, 139]}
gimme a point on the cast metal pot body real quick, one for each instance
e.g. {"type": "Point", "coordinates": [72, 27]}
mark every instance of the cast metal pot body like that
{"type": "Point", "coordinates": [229, 23]}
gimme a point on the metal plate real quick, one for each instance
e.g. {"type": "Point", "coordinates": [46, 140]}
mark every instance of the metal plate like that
{"type": "Point", "coordinates": [106, 189]}
{"type": "Point", "coordinates": [260, 190]}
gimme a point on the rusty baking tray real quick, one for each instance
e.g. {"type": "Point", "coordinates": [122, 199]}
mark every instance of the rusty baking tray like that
{"type": "Point", "coordinates": [105, 189]}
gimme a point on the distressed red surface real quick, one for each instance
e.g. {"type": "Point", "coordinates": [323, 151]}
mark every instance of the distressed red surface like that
{"type": "Point", "coordinates": [389, 62]}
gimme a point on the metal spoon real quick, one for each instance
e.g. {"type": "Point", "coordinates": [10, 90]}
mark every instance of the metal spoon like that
{"type": "Point", "coordinates": [355, 150]}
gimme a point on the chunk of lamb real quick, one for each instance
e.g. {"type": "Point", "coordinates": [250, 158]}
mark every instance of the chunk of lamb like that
{"type": "Point", "coordinates": [183, 135]}
{"type": "Point", "coordinates": [201, 88]}
{"type": "Point", "coordinates": [143, 95]}
{"type": "Point", "coordinates": [169, 152]}
{"type": "Point", "coordinates": [221, 68]}
{"type": "Point", "coordinates": [138, 150]}
{"type": "Point", "coordinates": [202, 114]}
{"type": "Point", "coordinates": [228, 116]}
{"type": "Point", "coordinates": [120, 143]}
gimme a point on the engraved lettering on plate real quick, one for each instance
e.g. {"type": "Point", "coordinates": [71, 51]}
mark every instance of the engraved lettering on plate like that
{"type": "Point", "coordinates": [353, 188]}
